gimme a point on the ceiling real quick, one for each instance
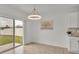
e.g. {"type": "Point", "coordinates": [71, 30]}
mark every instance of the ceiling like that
{"type": "Point", "coordinates": [23, 10]}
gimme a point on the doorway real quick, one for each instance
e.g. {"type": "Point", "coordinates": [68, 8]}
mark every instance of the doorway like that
{"type": "Point", "coordinates": [18, 32]}
{"type": "Point", "coordinates": [11, 33]}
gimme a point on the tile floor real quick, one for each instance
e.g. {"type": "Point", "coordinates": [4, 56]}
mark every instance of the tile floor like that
{"type": "Point", "coordinates": [35, 48]}
{"type": "Point", "coordinates": [7, 46]}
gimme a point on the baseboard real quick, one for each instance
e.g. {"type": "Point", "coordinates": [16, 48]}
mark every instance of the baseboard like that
{"type": "Point", "coordinates": [45, 43]}
{"type": "Point", "coordinates": [29, 43]}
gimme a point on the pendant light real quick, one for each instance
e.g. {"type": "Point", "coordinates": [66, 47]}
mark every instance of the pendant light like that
{"type": "Point", "coordinates": [35, 15]}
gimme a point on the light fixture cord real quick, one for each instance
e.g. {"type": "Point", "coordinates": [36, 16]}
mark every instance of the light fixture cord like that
{"type": "Point", "coordinates": [35, 12]}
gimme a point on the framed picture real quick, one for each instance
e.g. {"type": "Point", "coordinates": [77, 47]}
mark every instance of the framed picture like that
{"type": "Point", "coordinates": [47, 24]}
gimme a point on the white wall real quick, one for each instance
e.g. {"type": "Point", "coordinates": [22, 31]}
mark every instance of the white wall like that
{"type": "Point", "coordinates": [56, 36]}
{"type": "Point", "coordinates": [27, 32]}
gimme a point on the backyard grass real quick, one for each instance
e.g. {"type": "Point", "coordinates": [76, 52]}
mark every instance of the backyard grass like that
{"type": "Point", "coordinates": [6, 39]}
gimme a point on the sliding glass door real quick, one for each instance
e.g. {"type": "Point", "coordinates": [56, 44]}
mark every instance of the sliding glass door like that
{"type": "Point", "coordinates": [11, 33]}
{"type": "Point", "coordinates": [6, 34]}
{"type": "Point", "coordinates": [18, 32]}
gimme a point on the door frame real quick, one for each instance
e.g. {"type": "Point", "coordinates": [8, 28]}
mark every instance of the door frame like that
{"type": "Point", "coordinates": [14, 36]}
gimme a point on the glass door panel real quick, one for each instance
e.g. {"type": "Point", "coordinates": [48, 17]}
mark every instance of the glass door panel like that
{"type": "Point", "coordinates": [6, 34]}
{"type": "Point", "coordinates": [18, 32]}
